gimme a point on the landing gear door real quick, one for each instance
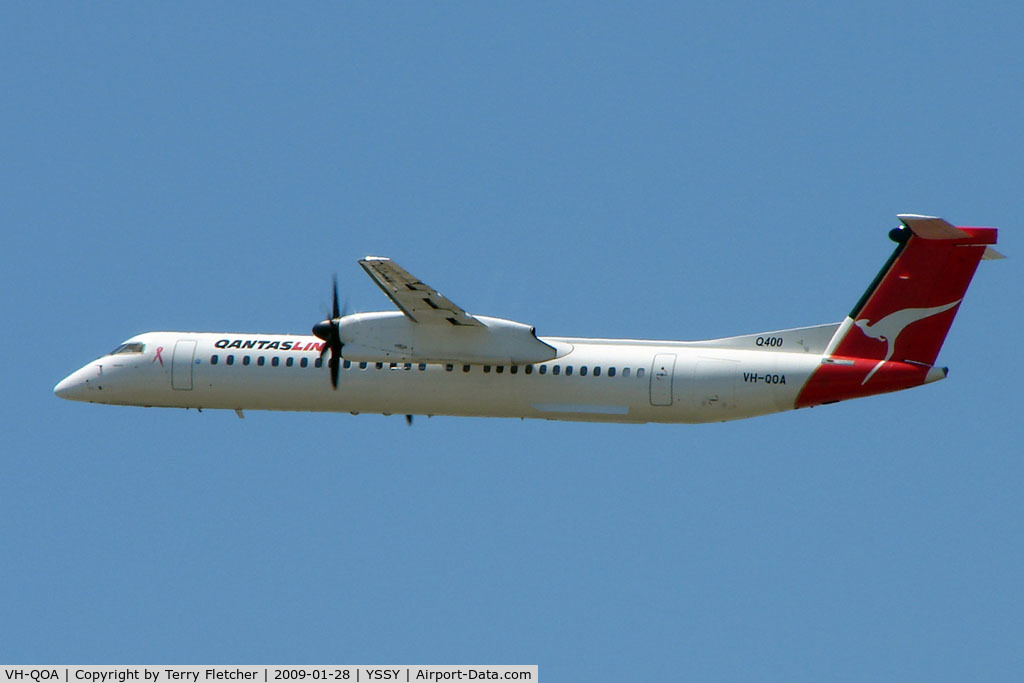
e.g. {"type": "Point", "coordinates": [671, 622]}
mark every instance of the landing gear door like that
{"type": "Point", "coordinates": [661, 379]}
{"type": "Point", "coordinates": [181, 364]}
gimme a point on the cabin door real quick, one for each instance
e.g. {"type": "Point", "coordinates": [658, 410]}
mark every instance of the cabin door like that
{"type": "Point", "coordinates": [661, 379]}
{"type": "Point", "coordinates": [181, 364]}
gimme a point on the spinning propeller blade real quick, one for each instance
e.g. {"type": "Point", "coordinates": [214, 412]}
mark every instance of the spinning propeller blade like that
{"type": "Point", "coordinates": [329, 331]}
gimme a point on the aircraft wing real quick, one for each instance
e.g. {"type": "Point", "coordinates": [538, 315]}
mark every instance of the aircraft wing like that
{"type": "Point", "coordinates": [420, 302]}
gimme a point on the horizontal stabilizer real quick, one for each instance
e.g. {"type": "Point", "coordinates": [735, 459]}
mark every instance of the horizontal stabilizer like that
{"type": "Point", "coordinates": [931, 227]}
{"type": "Point", "coordinates": [934, 228]}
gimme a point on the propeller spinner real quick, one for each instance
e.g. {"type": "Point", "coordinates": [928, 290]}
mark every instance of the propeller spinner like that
{"type": "Point", "coordinates": [329, 332]}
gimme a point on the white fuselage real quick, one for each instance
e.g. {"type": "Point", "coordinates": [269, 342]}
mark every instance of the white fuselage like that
{"type": "Point", "coordinates": [597, 380]}
{"type": "Point", "coordinates": [431, 357]}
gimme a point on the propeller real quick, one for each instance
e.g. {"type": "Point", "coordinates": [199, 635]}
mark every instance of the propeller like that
{"type": "Point", "coordinates": [328, 330]}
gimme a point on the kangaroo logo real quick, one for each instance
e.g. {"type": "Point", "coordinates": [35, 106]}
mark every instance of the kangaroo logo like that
{"type": "Point", "coordinates": [889, 328]}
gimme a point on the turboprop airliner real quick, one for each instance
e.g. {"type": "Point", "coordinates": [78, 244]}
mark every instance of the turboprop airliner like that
{"type": "Point", "coordinates": [431, 357]}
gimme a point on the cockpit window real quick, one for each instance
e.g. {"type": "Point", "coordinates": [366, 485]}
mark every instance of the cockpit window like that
{"type": "Point", "coordinates": [132, 347]}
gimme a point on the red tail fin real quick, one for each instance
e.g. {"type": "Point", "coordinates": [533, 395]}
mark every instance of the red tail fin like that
{"type": "Point", "coordinates": [907, 311]}
{"type": "Point", "coordinates": [905, 314]}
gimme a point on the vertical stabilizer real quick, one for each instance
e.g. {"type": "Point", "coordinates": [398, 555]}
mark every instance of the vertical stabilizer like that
{"type": "Point", "coordinates": [898, 326]}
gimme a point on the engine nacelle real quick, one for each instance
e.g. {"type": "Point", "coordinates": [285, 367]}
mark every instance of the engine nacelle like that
{"type": "Point", "coordinates": [391, 337]}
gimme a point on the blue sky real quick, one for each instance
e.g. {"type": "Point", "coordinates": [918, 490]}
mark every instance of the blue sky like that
{"type": "Point", "coordinates": [652, 170]}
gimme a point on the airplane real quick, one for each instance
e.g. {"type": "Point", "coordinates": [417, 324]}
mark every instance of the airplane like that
{"type": "Point", "coordinates": [431, 357]}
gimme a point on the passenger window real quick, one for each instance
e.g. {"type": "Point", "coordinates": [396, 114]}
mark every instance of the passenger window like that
{"type": "Point", "coordinates": [556, 369]}
{"type": "Point", "coordinates": [230, 359]}
{"type": "Point", "coordinates": [465, 368]}
{"type": "Point", "coordinates": [423, 366]}
{"type": "Point", "coordinates": [529, 369]}
{"type": "Point", "coordinates": [408, 366]}
{"type": "Point", "coordinates": [261, 361]}
{"type": "Point", "coordinates": [487, 368]}
{"type": "Point", "coordinates": [611, 371]}
{"type": "Point", "coordinates": [213, 359]}
{"type": "Point", "coordinates": [362, 365]}
{"type": "Point", "coordinates": [304, 362]}
{"type": "Point", "coordinates": [346, 364]}
{"type": "Point", "coordinates": [275, 361]}
{"type": "Point", "coordinates": [597, 371]}
{"type": "Point", "coordinates": [500, 369]}
{"type": "Point", "coordinates": [245, 360]}
{"type": "Point", "coordinates": [514, 369]}
{"type": "Point", "coordinates": [625, 372]}
{"type": "Point", "coordinates": [448, 367]}
{"type": "Point", "coordinates": [318, 363]}
{"type": "Point", "coordinates": [290, 361]}
{"type": "Point", "coordinates": [379, 366]}
{"type": "Point", "coordinates": [568, 370]}
{"type": "Point", "coordinates": [543, 369]}
{"type": "Point", "coordinates": [583, 371]}
{"type": "Point", "coordinates": [639, 372]}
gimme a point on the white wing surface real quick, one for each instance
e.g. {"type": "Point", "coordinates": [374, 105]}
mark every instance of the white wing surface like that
{"type": "Point", "coordinates": [420, 302]}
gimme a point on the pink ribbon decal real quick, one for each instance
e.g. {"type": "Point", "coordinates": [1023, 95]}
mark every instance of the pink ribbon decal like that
{"type": "Point", "coordinates": [158, 357]}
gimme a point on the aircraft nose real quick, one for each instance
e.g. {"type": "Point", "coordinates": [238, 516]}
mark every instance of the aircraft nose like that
{"type": "Point", "coordinates": [66, 388]}
{"type": "Point", "coordinates": [75, 386]}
